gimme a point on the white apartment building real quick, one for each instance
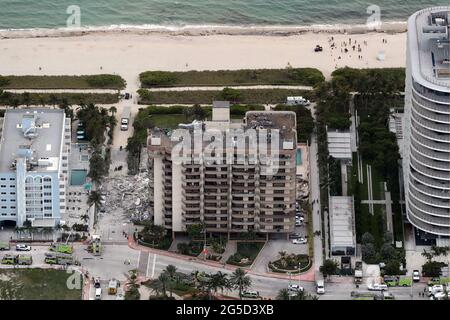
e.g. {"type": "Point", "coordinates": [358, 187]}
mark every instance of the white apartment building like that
{"type": "Point", "coordinates": [34, 149]}
{"type": "Point", "coordinates": [426, 154]}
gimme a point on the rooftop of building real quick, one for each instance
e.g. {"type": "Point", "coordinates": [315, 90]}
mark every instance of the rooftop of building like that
{"type": "Point", "coordinates": [33, 133]}
{"type": "Point", "coordinates": [284, 121]}
{"type": "Point", "coordinates": [342, 224]}
{"type": "Point", "coordinates": [429, 42]}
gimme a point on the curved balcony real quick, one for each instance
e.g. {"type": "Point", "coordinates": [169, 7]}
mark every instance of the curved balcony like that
{"type": "Point", "coordinates": [428, 210]}
{"type": "Point", "coordinates": [430, 125]}
{"type": "Point", "coordinates": [440, 156]}
{"type": "Point", "coordinates": [439, 221]}
{"type": "Point", "coordinates": [429, 134]}
{"type": "Point", "coordinates": [437, 146]}
{"type": "Point", "coordinates": [434, 183]}
{"type": "Point", "coordinates": [430, 228]}
{"type": "Point", "coordinates": [432, 116]}
{"type": "Point", "coordinates": [440, 175]}
{"type": "Point", "coordinates": [418, 89]}
{"type": "Point", "coordinates": [428, 200]}
{"type": "Point", "coordinates": [432, 164]}
{"type": "Point", "coordinates": [442, 194]}
{"type": "Point", "coordinates": [431, 106]}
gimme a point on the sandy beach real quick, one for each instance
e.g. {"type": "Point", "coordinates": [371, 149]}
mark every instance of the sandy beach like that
{"type": "Point", "coordinates": [128, 54]}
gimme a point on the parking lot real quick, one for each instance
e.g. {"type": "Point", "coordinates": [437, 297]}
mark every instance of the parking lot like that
{"type": "Point", "coordinates": [272, 248]}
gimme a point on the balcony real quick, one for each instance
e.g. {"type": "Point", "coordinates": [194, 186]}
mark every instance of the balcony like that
{"type": "Point", "coordinates": [431, 125]}
{"type": "Point", "coordinates": [428, 210]}
{"type": "Point", "coordinates": [432, 116]}
{"type": "Point", "coordinates": [429, 172]}
{"type": "Point", "coordinates": [428, 227]}
{"type": "Point", "coordinates": [428, 200]}
{"type": "Point", "coordinates": [431, 106]}
{"type": "Point", "coordinates": [437, 146]}
{"type": "Point", "coordinates": [432, 135]}
{"type": "Point", "coordinates": [434, 183]}
{"type": "Point", "coordinates": [440, 156]}
{"type": "Point", "coordinates": [430, 95]}
{"type": "Point", "coordinates": [432, 164]}
{"type": "Point", "coordinates": [436, 193]}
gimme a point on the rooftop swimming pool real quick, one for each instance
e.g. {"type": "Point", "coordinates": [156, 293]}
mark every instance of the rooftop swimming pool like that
{"type": "Point", "coordinates": [298, 157]}
{"type": "Point", "coordinates": [78, 177]}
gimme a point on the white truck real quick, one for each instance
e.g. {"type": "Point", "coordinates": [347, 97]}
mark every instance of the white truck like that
{"type": "Point", "coordinates": [358, 272]}
{"type": "Point", "coordinates": [125, 119]}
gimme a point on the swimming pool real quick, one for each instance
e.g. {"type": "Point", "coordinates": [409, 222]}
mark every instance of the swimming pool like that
{"type": "Point", "coordinates": [298, 157]}
{"type": "Point", "coordinates": [78, 177]}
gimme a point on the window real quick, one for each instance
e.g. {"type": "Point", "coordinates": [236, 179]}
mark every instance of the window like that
{"type": "Point", "coordinates": [3, 179]}
{"type": "Point", "coordinates": [47, 179]}
{"type": "Point", "coordinates": [3, 200]}
{"type": "Point", "coordinates": [12, 186]}
{"type": "Point", "coordinates": [3, 192]}
{"type": "Point", "coordinates": [12, 207]}
{"type": "Point", "coordinates": [3, 186]}
{"type": "Point", "coordinates": [47, 208]}
{"type": "Point", "coordinates": [12, 193]}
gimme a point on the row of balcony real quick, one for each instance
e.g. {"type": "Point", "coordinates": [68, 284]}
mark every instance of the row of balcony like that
{"type": "Point", "coordinates": [429, 172]}
{"type": "Point", "coordinates": [428, 226]}
{"type": "Point", "coordinates": [431, 106]}
{"type": "Point", "coordinates": [424, 113]}
{"type": "Point", "coordinates": [435, 155]}
{"type": "Point", "coordinates": [434, 183]}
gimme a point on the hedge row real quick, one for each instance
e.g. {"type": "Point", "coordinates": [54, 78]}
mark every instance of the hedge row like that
{"type": "Point", "coordinates": [98, 81]}
{"type": "Point", "coordinates": [287, 76]}
{"type": "Point", "coordinates": [243, 96]}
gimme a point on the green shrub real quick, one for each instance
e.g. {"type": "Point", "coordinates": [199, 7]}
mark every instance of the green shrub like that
{"type": "Point", "coordinates": [157, 78]}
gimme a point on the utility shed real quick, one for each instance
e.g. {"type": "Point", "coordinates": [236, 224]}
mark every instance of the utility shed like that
{"type": "Point", "coordinates": [342, 226]}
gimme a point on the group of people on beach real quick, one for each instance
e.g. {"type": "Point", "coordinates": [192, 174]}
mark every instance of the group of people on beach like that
{"type": "Point", "coordinates": [347, 47]}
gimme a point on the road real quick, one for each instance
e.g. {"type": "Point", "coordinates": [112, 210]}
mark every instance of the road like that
{"type": "Point", "coordinates": [315, 199]}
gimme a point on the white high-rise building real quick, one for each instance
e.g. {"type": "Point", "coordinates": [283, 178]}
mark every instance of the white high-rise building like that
{"type": "Point", "coordinates": [426, 158]}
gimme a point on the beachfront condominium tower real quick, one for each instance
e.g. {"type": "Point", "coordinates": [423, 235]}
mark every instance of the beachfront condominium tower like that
{"type": "Point", "coordinates": [34, 148]}
{"type": "Point", "coordinates": [236, 192]}
{"type": "Point", "coordinates": [426, 159]}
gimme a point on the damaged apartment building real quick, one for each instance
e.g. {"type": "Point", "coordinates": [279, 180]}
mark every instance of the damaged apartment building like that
{"type": "Point", "coordinates": [244, 192]}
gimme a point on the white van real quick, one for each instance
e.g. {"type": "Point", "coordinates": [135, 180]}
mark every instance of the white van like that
{"type": "Point", "coordinates": [98, 294]}
{"type": "Point", "coordinates": [320, 287]}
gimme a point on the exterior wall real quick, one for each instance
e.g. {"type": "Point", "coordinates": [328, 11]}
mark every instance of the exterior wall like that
{"type": "Point", "coordinates": [8, 196]}
{"type": "Point", "coordinates": [158, 191]}
{"type": "Point", "coordinates": [177, 213]}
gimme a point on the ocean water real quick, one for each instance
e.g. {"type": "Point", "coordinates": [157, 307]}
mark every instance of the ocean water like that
{"type": "Point", "coordinates": [27, 14]}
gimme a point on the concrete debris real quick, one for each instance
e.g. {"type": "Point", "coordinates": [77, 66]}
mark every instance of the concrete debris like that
{"type": "Point", "coordinates": [130, 193]}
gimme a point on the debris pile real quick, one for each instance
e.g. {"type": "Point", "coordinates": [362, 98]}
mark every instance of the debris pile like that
{"type": "Point", "coordinates": [131, 194]}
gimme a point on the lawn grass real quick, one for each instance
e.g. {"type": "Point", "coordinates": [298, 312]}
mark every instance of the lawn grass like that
{"type": "Point", "coordinates": [100, 81]}
{"type": "Point", "coordinates": [249, 250]}
{"type": "Point", "coordinates": [36, 284]}
{"type": "Point", "coordinates": [246, 96]}
{"type": "Point", "coordinates": [287, 76]}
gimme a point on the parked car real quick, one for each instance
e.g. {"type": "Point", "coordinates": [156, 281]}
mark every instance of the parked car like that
{"type": "Point", "coordinates": [295, 235]}
{"type": "Point", "coordinates": [435, 289]}
{"type": "Point", "coordinates": [23, 247]}
{"type": "Point", "coordinates": [295, 288]}
{"type": "Point", "coordinates": [301, 219]}
{"type": "Point", "coordinates": [416, 276]}
{"type": "Point", "coordinates": [377, 287]}
{"type": "Point", "coordinates": [97, 283]}
{"type": "Point", "coordinates": [300, 240]}
{"type": "Point", "coordinates": [98, 294]}
{"type": "Point", "coordinates": [250, 294]}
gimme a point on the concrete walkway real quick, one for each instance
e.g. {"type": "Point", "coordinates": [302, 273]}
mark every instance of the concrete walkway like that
{"type": "Point", "coordinates": [230, 249]}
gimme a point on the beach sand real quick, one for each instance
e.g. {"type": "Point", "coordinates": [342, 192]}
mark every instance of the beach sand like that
{"type": "Point", "coordinates": [129, 54]}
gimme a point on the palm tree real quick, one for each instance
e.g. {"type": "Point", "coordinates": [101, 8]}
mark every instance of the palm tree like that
{"type": "Point", "coordinates": [171, 271]}
{"type": "Point", "coordinates": [165, 282]}
{"type": "Point", "coordinates": [283, 294]}
{"type": "Point", "coordinates": [84, 218]}
{"type": "Point", "coordinates": [94, 198]}
{"type": "Point", "coordinates": [132, 292]}
{"type": "Point", "coordinates": [113, 110]}
{"type": "Point", "coordinates": [219, 281]}
{"type": "Point", "coordinates": [240, 281]}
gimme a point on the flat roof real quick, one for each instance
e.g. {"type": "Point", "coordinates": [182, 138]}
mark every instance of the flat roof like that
{"type": "Point", "coordinates": [47, 143]}
{"type": "Point", "coordinates": [428, 46]}
{"type": "Point", "coordinates": [342, 223]}
{"type": "Point", "coordinates": [339, 144]}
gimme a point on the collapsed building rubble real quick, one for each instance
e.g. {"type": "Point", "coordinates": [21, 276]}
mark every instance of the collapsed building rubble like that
{"type": "Point", "coordinates": [130, 193]}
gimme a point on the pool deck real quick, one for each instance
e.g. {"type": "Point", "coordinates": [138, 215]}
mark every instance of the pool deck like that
{"type": "Point", "coordinates": [302, 169]}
